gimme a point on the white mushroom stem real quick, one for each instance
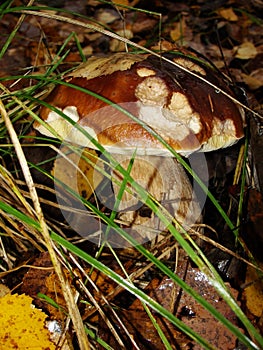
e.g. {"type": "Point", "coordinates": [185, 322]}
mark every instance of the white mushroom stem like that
{"type": "Point", "coordinates": [166, 180]}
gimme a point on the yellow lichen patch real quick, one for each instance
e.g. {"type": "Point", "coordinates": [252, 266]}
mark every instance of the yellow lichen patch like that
{"type": "Point", "coordinates": [22, 325]}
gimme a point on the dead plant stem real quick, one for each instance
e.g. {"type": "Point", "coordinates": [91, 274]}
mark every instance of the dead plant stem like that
{"type": "Point", "coordinates": [67, 292]}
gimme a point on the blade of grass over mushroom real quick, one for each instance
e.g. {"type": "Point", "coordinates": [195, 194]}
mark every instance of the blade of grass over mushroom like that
{"type": "Point", "coordinates": [113, 213]}
{"type": "Point", "coordinates": [146, 127]}
{"type": "Point", "coordinates": [191, 253]}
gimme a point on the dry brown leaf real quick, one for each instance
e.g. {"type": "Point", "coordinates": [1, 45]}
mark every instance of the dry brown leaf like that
{"type": "Point", "coordinates": [181, 32]}
{"type": "Point", "coordinates": [228, 14]}
{"type": "Point", "coordinates": [4, 290]}
{"type": "Point", "coordinates": [22, 325]}
{"type": "Point", "coordinates": [125, 3]}
{"type": "Point", "coordinates": [106, 16]}
{"type": "Point", "coordinates": [254, 292]}
{"type": "Point", "coordinates": [171, 297]}
{"type": "Point", "coordinates": [117, 45]}
{"type": "Point", "coordinates": [254, 80]}
{"type": "Point", "coordinates": [246, 51]}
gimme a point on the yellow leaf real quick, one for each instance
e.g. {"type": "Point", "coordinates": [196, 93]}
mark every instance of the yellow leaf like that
{"type": "Point", "coordinates": [76, 173]}
{"type": "Point", "coordinates": [117, 45]}
{"type": "Point", "coordinates": [22, 325]}
{"type": "Point", "coordinates": [246, 51]}
{"type": "Point", "coordinates": [228, 14]}
{"type": "Point", "coordinates": [254, 292]}
{"type": "Point", "coordinates": [125, 2]}
{"type": "Point", "coordinates": [253, 82]}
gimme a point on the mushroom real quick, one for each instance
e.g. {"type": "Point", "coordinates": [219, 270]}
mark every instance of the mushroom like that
{"type": "Point", "coordinates": [188, 114]}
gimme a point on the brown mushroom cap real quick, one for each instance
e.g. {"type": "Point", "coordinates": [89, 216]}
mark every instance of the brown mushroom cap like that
{"type": "Point", "coordinates": [186, 112]}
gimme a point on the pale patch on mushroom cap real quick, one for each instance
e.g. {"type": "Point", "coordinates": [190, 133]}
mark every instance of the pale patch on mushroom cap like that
{"type": "Point", "coordinates": [145, 72]}
{"type": "Point", "coordinates": [180, 110]}
{"type": "Point", "coordinates": [58, 123]}
{"type": "Point", "coordinates": [222, 135]}
{"type": "Point", "coordinates": [66, 130]}
{"type": "Point", "coordinates": [152, 91]}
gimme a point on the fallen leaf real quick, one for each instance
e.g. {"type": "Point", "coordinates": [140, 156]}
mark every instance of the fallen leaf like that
{"type": "Point", "coordinates": [254, 80]}
{"type": "Point", "coordinates": [106, 16]}
{"type": "Point", "coordinates": [117, 45]}
{"type": "Point", "coordinates": [253, 293]}
{"type": "Point", "coordinates": [228, 14]}
{"type": "Point", "coordinates": [4, 290]}
{"type": "Point", "coordinates": [22, 325]}
{"type": "Point", "coordinates": [125, 3]}
{"type": "Point", "coordinates": [246, 51]}
{"type": "Point", "coordinates": [184, 307]}
{"type": "Point", "coordinates": [181, 32]}
{"type": "Point", "coordinates": [77, 173]}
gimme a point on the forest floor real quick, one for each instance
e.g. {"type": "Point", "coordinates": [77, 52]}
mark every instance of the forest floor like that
{"type": "Point", "coordinates": [228, 34]}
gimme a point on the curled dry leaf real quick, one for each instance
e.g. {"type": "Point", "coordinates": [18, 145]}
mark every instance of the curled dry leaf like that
{"type": "Point", "coordinates": [228, 14]}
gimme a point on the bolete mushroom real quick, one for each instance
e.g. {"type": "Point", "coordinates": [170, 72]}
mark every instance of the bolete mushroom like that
{"type": "Point", "coordinates": [187, 113]}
